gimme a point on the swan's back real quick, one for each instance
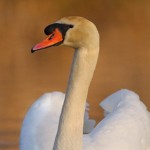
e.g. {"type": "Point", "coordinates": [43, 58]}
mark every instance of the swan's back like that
{"type": "Point", "coordinates": [126, 125]}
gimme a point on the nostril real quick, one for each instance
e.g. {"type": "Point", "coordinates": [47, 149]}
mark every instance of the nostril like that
{"type": "Point", "coordinates": [51, 36]}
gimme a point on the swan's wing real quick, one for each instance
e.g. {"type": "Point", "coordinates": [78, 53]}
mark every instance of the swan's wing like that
{"type": "Point", "coordinates": [88, 123]}
{"type": "Point", "coordinates": [41, 122]}
{"type": "Point", "coordinates": [125, 127]}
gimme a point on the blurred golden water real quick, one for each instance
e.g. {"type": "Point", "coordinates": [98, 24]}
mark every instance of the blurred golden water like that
{"type": "Point", "coordinates": [124, 56]}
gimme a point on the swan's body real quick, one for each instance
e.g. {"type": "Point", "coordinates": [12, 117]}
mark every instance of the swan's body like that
{"type": "Point", "coordinates": [127, 122]}
{"type": "Point", "coordinates": [41, 122]}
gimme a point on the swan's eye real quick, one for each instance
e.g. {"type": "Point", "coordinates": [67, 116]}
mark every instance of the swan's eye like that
{"type": "Point", "coordinates": [51, 37]}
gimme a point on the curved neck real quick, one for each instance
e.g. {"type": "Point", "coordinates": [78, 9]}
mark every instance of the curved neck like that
{"type": "Point", "coordinates": [70, 130]}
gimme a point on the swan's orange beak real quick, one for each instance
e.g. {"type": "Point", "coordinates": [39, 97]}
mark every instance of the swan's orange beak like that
{"type": "Point", "coordinates": [55, 38]}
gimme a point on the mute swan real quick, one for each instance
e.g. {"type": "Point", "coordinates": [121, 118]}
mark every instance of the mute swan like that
{"type": "Point", "coordinates": [126, 125]}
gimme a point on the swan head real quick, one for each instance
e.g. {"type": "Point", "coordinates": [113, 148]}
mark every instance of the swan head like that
{"type": "Point", "coordinates": [72, 31]}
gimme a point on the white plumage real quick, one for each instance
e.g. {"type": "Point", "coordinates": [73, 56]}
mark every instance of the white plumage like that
{"type": "Point", "coordinates": [41, 122]}
{"type": "Point", "coordinates": [126, 125]}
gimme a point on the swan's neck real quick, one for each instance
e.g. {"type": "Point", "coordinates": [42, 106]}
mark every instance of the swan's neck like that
{"type": "Point", "coordinates": [70, 130]}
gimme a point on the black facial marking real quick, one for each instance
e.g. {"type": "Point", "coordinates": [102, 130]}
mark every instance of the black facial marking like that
{"type": "Point", "coordinates": [63, 28]}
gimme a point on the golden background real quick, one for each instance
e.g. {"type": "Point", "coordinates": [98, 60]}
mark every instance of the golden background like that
{"type": "Point", "coordinates": [124, 59]}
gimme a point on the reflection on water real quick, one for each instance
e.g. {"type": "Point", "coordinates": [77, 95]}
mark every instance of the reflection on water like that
{"type": "Point", "coordinates": [8, 145]}
{"type": "Point", "coordinates": [9, 134]}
